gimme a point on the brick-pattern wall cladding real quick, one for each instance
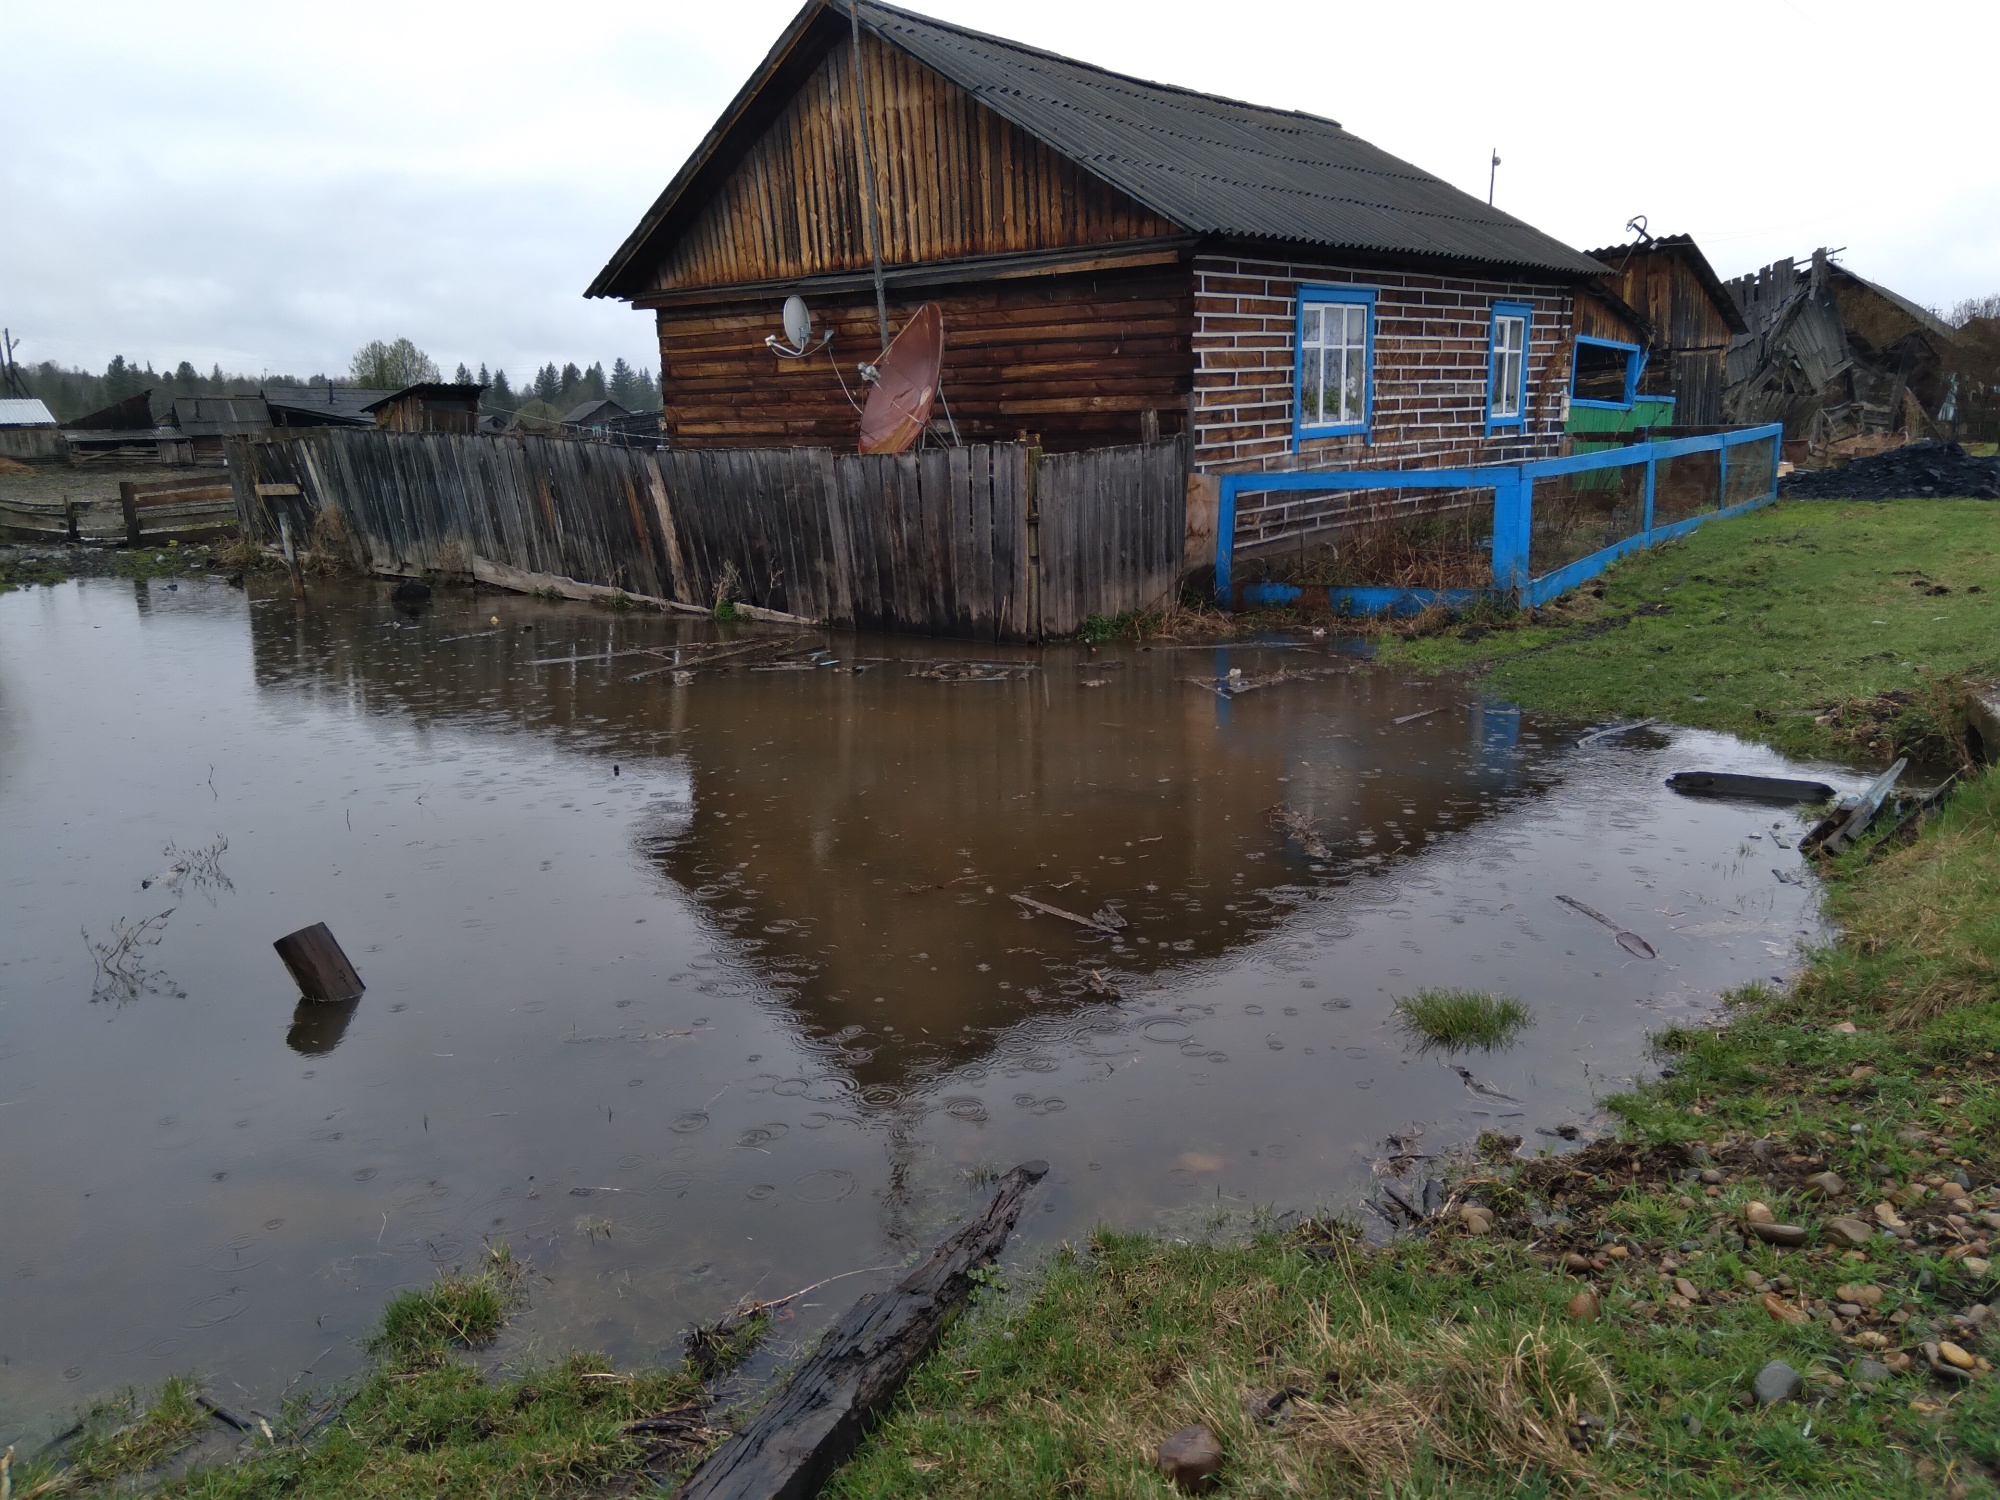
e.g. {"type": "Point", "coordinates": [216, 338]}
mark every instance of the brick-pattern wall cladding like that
{"type": "Point", "coordinates": [1430, 363]}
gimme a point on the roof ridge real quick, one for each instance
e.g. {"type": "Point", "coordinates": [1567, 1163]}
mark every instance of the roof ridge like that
{"type": "Point", "coordinates": [1011, 45]}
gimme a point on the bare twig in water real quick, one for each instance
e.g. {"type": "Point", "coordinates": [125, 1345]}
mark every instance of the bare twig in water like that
{"type": "Point", "coordinates": [120, 959]}
{"type": "Point", "coordinates": [200, 868]}
{"type": "Point", "coordinates": [1104, 920]}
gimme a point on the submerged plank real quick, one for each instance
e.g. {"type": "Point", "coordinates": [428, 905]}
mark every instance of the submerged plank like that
{"type": "Point", "coordinates": [790, 1447]}
{"type": "Point", "coordinates": [1757, 788]}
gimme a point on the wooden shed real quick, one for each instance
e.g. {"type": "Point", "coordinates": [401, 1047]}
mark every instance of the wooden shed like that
{"type": "Point", "coordinates": [1115, 259]}
{"type": "Point", "coordinates": [430, 407]}
{"type": "Point", "coordinates": [28, 432]}
{"type": "Point", "coordinates": [1664, 301]}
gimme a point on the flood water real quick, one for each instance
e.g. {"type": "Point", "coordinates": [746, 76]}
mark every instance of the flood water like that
{"type": "Point", "coordinates": [693, 990]}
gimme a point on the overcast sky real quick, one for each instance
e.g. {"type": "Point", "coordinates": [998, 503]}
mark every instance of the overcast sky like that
{"type": "Point", "coordinates": [269, 186]}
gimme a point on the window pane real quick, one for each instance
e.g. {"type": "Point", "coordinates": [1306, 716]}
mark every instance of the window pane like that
{"type": "Point", "coordinates": [1309, 394]}
{"type": "Point", "coordinates": [1333, 364]}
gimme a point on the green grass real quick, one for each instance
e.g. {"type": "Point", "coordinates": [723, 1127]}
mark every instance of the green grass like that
{"type": "Point", "coordinates": [1763, 625]}
{"type": "Point", "coordinates": [116, 1437]}
{"type": "Point", "coordinates": [1456, 1020]}
{"type": "Point", "coordinates": [422, 1422]}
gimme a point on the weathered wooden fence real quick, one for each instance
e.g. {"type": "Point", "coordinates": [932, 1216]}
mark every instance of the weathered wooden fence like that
{"type": "Point", "coordinates": [995, 542]}
{"type": "Point", "coordinates": [173, 508]}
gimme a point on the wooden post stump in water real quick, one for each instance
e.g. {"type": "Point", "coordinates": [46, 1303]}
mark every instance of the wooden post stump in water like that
{"type": "Point", "coordinates": [802, 1434]}
{"type": "Point", "coordinates": [316, 962]}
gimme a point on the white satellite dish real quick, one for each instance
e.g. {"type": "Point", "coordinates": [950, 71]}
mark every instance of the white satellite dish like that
{"type": "Point", "coordinates": [797, 342]}
{"type": "Point", "coordinates": [798, 322]}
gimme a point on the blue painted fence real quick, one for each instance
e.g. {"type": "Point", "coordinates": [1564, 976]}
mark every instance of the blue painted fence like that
{"type": "Point", "coordinates": [1513, 487]}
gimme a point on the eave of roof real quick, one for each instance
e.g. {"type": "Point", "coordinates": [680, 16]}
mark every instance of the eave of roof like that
{"type": "Point", "coordinates": [1235, 169]}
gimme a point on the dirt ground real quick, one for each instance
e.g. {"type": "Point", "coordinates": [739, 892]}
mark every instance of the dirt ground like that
{"type": "Point", "coordinates": [57, 483]}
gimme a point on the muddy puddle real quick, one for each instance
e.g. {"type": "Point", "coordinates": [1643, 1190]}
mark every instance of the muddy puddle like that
{"type": "Point", "coordinates": [693, 988]}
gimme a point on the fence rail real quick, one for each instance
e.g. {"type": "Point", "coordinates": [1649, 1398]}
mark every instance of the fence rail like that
{"type": "Point", "coordinates": [993, 541]}
{"type": "Point", "coordinates": [1587, 517]}
{"type": "Point", "coordinates": [148, 513]}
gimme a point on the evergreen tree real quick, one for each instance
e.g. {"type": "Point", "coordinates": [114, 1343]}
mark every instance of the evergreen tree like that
{"type": "Point", "coordinates": [463, 376]}
{"type": "Point", "coordinates": [217, 381]}
{"type": "Point", "coordinates": [548, 384]}
{"type": "Point", "coordinates": [187, 381]}
{"type": "Point", "coordinates": [122, 380]}
{"type": "Point", "coordinates": [500, 395]}
{"type": "Point", "coordinates": [593, 383]}
{"type": "Point", "coordinates": [484, 378]}
{"type": "Point", "coordinates": [622, 383]}
{"type": "Point", "coordinates": [570, 391]}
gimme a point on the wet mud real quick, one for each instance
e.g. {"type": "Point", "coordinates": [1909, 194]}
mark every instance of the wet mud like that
{"type": "Point", "coordinates": [697, 982]}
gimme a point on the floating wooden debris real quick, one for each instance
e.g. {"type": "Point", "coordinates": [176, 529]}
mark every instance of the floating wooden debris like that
{"type": "Point", "coordinates": [1785, 789]}
{"type": "Point", "coordinates": [317, 964]}
{"type": "Point", "coordinates": [1631, 942]}
{"type": "Point", "coordinates": [1104, 920]}
{"type": "Point", "coordinates": [804, 1432]}
{"type": "Point", "coordinates": [1611, 731]}
{"type": "Point", "coordinates": [1856, 821]}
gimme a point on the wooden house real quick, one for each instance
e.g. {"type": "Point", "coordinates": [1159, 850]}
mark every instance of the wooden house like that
{"type": "Point", "coordinates": [1658, 326]}
{"type": "Point", "coordinates": [429, 407]}
{"type": "Point", "coordinates": [1114, 259]}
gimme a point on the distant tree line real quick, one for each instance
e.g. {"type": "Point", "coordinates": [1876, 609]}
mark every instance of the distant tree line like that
{"type": "Point", "coordinates": [550, 394]}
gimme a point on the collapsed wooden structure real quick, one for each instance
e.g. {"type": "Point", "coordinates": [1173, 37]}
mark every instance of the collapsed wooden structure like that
{"type": "Point", "coordinates": [1849, 367]}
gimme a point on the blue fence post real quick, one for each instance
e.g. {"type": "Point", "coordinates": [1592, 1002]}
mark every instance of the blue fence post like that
{"type": "Point", "coordinates": [1777, 457]}
{"type": "Point", "coordinates": [1652, 488]}
{"type": "Point", "coordinates": [1722, 482]}
{"type": "Point", "coordinates": [1513, 502]}
{"type": "Point", "coordinates": [1225, 540]}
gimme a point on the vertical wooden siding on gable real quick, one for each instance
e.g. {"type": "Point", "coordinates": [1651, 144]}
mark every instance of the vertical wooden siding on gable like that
{"type": "Point", "coordinates": [953, 180]}
{"type": "Point", "coordinates": [1075, 358]}
{"type": "Point", "coordinates": [1690, 334]}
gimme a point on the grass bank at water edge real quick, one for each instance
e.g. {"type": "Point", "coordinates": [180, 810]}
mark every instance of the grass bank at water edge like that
{"type": "Point", "coordinates": [1821, 628]}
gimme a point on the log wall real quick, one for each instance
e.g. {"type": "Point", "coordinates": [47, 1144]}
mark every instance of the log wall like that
{"type": "Point", "coordinates": [1075, 359]}
{"type": "Point", "coordinates": [988, 541]}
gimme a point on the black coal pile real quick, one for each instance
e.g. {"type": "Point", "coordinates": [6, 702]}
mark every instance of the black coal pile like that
{"type": "Point", "coordinates": [1920, 470]}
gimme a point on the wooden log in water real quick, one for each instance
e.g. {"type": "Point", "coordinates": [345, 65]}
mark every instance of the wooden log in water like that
{"type": "Point", "coordinates": [804, 1432]}
{"type": "Point", "coordinates": [316, 962]}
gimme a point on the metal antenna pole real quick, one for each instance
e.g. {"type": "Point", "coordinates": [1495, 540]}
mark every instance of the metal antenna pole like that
{"type": "Point", "coordinates": [1492, 176]}
{"type": "Point", "coordinates": [868, 175]}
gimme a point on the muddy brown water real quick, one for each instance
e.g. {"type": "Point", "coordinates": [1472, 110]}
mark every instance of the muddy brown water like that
{"type": "Point", "coordinates": [696, 991]}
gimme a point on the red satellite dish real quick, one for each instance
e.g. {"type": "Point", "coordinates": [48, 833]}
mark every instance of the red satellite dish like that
{"type": "Point", "coordinates": [899, 405]}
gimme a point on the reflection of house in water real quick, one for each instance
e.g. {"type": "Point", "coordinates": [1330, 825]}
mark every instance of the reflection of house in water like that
{"type": "Point", "coordinates": [858, 837]}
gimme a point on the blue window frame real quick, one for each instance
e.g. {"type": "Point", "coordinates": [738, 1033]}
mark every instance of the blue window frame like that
{"type": "Point", "coordinates": [1333, 360]}
{"type": "Point", "coordinates": [1605, 373]}
{"type": "Point", "coordinates": [1507, 366]}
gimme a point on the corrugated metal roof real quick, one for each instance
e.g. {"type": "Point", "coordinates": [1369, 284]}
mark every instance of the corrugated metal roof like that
{"type": "Point", "coordinates": [1210, 164]}
{"type": "Point", "coordinates": [431, 390]}
{"type": "Point", "coordinates": [220, 416]}
{"type": "Point", "coordinates": [328, 404]}
{"type": "Point", "coordinates": [1221, 166]}
{"type": "Point", "coordinates": [25, 412]}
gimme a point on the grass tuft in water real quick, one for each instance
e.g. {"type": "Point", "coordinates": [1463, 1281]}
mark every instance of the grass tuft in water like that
{"type": "Point", "coordinates": [115, 1439]}
{"type": "Point", "coordinates": [1459, 1019]}
{"type": "Point", "coordinates": [456, 1309]}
